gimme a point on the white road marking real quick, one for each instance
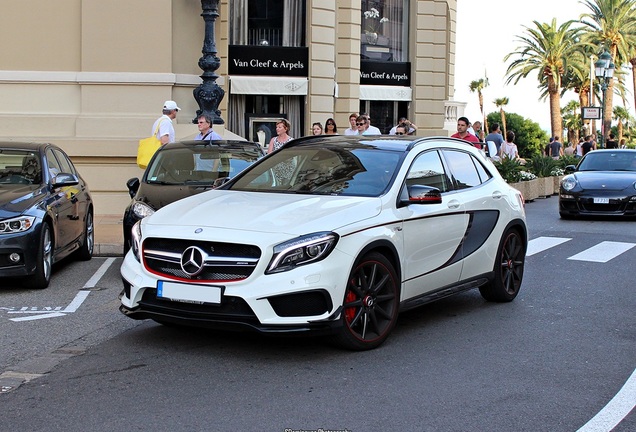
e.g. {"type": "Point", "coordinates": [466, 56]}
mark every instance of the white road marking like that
{"type": "Point", "coordinates": [603, 252]}
{"type": "Point", "coordinates": [616, 409]}
{"type": "Point", "coordinates": [98, 275]}
{"type": "Point", "coordinates": [49, 312]}
{"type": "Point", "coordinates": [37, 317]}
{"type": "Point", "coordinates": [540, 244]}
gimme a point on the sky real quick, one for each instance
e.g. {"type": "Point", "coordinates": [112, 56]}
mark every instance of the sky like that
{"type": "Point", "coordinates": [486, 32]}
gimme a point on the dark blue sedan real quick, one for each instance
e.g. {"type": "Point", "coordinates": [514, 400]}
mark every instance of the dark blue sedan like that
{"type": "Point", "coordinates": [46, 211]}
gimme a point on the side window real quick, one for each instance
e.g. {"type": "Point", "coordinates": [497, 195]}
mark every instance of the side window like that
{"type": "Point", "coordinates": [427, 170]}
{"type": "Point", "coordinates": [483, 173]}
{"type": "Point", "coordinates": [65, 164]}
{"type": "Point", "coordinates": [54, 165]}
{"type": "Point", "coordinates": [462, 168]}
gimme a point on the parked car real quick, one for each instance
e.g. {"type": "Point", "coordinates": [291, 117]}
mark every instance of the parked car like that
{"type": "Point", "coordinates": [182, 169]}
{"type": "Point", "coordinates": [331, 234]}
{"type": "Point", "coordinates": [602, 184]}
{"type": "Point", "coordinates": [46, 211]}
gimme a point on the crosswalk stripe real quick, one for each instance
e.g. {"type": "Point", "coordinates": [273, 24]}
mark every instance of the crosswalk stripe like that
{"type": "Point", "coordinates": [603, 252]}
{"type": "Point", "coordinates": [540, 244]}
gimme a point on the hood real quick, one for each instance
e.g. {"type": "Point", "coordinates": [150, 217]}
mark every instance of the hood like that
{"type": "Point", "coordinates": [606, 180]}
{"type": "Point", "coordinates": [293, 214]}
{"type": "Point", "coordinates": [16, 199]}
{"type": "Point", "coordinates": [158, 196]}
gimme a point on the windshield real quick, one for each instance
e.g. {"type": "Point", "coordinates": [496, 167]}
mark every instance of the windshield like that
{"type": "Point", "coordinates": [20, 167]}
{"type": "Point", "coordinates": [323, 169]}
{"type": "Point", "coordinates": [609, 161]}
{"type": "Point", "coordinates": [199, 164]}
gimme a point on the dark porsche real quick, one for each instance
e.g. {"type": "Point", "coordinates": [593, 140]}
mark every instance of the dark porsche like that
{"type": "Point", "coordinates": [602, 184]}
{"type": "Point", "coordinates": [46, 211]}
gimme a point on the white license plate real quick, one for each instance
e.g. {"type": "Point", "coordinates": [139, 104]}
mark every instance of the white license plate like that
{"type": "Point", "coordinates": [601, 200]}
{"type": "Point", "coordinates": [189, 292]}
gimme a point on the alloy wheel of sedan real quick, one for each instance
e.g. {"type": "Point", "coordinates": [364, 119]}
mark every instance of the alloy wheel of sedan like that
{"type": "Point", "coordinates": [85, 252]}
{"type": "Point", "coordinates": [370, 306]}
{"type": "Point", "coordinates": [44, 265]}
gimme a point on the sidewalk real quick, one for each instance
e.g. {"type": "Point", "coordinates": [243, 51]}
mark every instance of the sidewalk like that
{"type": "Point", "coordinates": [109, 237]}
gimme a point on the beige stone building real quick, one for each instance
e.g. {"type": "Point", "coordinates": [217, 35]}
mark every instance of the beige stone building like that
{"type": "Point", "coordinates": [92, 76]}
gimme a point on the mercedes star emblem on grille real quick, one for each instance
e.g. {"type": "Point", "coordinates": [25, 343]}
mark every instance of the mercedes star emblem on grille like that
{"type": "Point", "coordinates": [192, 260]}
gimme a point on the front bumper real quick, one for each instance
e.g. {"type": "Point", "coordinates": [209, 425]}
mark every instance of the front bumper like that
{"type": "Point", "coordinates": [306, 299]}
{"type": "Point", "coordinates": [26, 245]}
{"type": "Point", "coordinates": [584, 205]}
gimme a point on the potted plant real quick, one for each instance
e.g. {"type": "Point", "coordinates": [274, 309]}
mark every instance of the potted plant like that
{"type": "Point", "coordinates": [543, 166]}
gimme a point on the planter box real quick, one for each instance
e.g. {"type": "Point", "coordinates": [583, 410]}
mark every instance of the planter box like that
{"type": "Point", "coordinates": [546, 186]}
{"type": "Point", "coordinates": [529, 189]}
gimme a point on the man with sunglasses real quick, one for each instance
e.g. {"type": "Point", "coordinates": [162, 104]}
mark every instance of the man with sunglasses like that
{"type": "Point", "coordinates": [364, 126]}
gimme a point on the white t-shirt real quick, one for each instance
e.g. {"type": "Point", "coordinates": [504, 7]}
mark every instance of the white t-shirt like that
{"type": "Point", "coordinates": [165, 128]}
{"type": "Point", "coordinates": [350, 131]}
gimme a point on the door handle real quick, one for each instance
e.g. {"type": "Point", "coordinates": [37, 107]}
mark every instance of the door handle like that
{"type": "Point", "coordinates": [453, 204]}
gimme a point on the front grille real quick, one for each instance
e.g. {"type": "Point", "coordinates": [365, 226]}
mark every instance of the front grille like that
{"type": "Point", "coordinates": [222, 261]}
{"type": "Point", "coordinates": [615, 205]}
{"type": "Point", "coordinates": [231, 309]}
{"type": "Point", "coordinates": [307, 303]}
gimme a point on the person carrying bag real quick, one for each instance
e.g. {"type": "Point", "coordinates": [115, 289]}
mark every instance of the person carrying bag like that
{"type": "Point", "coordinates": [162, 134]}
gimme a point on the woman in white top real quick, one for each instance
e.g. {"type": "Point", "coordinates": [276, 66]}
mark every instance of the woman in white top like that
{"type": "Point", "coordinates": [508, 147]}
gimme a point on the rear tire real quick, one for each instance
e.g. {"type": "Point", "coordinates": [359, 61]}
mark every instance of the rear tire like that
{"type": "Point", "coordinates": [85, 252]}
{"type": "Point", "coordinates": [370, 306]}
{"type": "Point", "coordinates": [508, 269]}
{"type": "Point", "coordinates": [44, 265]}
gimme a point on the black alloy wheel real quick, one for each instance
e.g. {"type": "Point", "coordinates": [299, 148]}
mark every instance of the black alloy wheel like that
{"type": "Point", "coordinates": [44, 264]}
{"type": "Point", "coordinates": [508, 269]}
{"type": "Point", "coordinates": [371, 302]}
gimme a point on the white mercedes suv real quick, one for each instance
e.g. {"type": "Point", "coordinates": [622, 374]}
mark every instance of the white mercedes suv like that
{"type": "Point", "coordinates": [331, 234]}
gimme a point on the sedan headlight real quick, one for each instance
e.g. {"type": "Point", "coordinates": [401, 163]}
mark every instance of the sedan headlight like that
{"type": "Point", "coordinates": [302, 250]}
{"type": "Point", "coordinates": [141, 210]}
{"type": "Point", "coordinates": [136, 240]}
{"type": "Point", "coordinates": [568, 183]}
{"type": "Point", "coordinates": [16, 225]}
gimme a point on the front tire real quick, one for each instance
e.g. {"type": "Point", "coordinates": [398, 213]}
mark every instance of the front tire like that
{"type": "Point", "coordinates": [371, 302]}
{"type": "Point", "coordinates": [508, 269]}
{"type": "Point", "coordinates": [44, 266]}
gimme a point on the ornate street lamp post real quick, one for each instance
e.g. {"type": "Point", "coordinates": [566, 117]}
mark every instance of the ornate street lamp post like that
{"type": "Point", "coordinates": [209, 94]}
{"type": "Point", "coordinates": [604, 71]}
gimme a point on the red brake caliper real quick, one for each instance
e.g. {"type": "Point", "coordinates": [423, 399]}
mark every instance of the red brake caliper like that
{"type": "Point", "coordinates": [350, 312]}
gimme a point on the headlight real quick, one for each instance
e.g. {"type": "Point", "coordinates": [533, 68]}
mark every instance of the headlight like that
{"type": "Point", "coordinates": [141, 210]}
{"type": "Point", "coordinates": [568, 182]}
{"type": "Point", "coordinates": [16, 225]}
{"type": "Point", "coordinates": [136, 240]}
{"type": "Point", "coordinates": [302, 250]}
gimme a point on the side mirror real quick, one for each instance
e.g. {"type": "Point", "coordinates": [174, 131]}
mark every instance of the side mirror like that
{"type": "Point", "coordinates": [133, 186]}
{"type": "Point", "coordinates": [420, 194]}
{"type": "Point", "coordinates": [570, 169]}
{"type": "Point", "coordinates": [65, 179]}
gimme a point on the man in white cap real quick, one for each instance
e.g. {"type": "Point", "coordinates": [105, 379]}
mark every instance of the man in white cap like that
{"type": "Point", "coordinates": [163, 127]}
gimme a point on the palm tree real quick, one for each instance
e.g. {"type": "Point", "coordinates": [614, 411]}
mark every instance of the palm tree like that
{"type": "Point", "coordinates": [612, 24]}
{"type": "Point", "coordinates": [500, 103]}
{"type": "Point", "coordinates": [572, 120]}
{"type": "Point", "coordinates": [622, 116]}
{"type": "Point", "coordinates": [546, 50]}
{"type": "Point", "coordinates": [478, 86]}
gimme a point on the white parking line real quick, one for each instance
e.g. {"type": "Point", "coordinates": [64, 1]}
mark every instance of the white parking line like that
{"type": "Point", "coordinates": [603, 252]}
{"type": "Point", "coordinates": [616, 410]}
{"type": "Point", "coordinates": [540, 244]}
{"type": "Point", "coordinates": [72, 306]}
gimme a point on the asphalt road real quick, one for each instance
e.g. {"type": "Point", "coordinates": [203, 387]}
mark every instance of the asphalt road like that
{"type": "Point", "coordinates": [561, 355]}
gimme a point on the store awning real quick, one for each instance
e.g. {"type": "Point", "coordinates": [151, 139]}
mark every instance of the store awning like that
{"type": "Point", "coordinates": [390, 93]}
{"type": "Point", "coordinates": [269, 85]}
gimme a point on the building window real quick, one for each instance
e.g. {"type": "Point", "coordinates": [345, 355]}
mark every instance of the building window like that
{"type": "Point", "coordinates": [385, 28]}
{"type": "Point", "coordinates": [267, 22]}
